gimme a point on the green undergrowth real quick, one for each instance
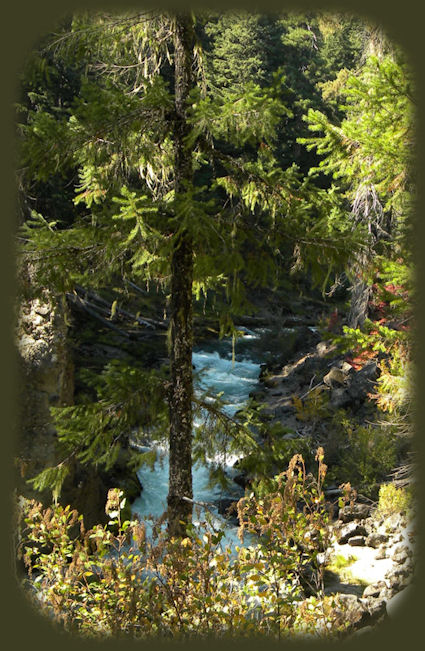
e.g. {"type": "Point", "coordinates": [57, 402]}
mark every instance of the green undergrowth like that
{"type": "Point", "coordinates": [393, 499]}
{"type": "Point", "coordinates": [340, 565]}
{"type": "Point", "coordinates": [114, 581]}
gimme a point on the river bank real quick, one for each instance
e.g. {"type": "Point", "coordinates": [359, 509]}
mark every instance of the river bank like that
{"type": "Point", "coordinates": [370, 561]}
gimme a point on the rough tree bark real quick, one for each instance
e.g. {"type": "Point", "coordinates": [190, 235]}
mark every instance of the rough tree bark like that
{"type": "Point", "coordinates": [359, 303]}
{"type": "Point", "coordinates": [181, 328]}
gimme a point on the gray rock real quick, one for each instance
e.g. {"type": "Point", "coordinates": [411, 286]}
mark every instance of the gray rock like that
{"type": "Point", "coordinates": [385, 594]}
{"type": "Point", "coordinates": [355, 512]}
{"type": "Point", "coordinates": [381, 553]}
{"type": "Point", "coordinates": [38, 320]}
{"type": "Point", "coordinates": [322, 348]}
{"type": "Point", "coordinates": [357, 541]}
{"type": "Point", "coordinates": [355, 612]}
{"type": "Point", "coordinates": [349, 531]}
{"type": "Point", "coordinates": [375, 539]}
{"type": "Point", "coordinates": [399, 555]}
{"type": "Point", "coordinates": [43, 309]}
{"type": "Point", "coordinates": [388, 552]}
{"type": "Point", "coordinates": [376, 608]}
{"type": "Point", "coordinates": [334, 376]}
{"type": "Point", "coordinates": [402, 572]}
{"type": "Point", "coordinates": [285, 409]}
{"type": "Point", "coordinates": [409, 543]}
{"type": "Point", "coordinates": [374, 589]}
{"type": "Point", "coordinates": [346, 368]}
{"type": "Point", "coordinates": [362, 382]}
{"type": "Point", "coordinates": [408, 564]}
{"type": "Point", "coordinates": [339, 398]}
{"type": "Point", "coordinates": [395, 581]}
{"type": "Point", "coordinates": [323, 557]}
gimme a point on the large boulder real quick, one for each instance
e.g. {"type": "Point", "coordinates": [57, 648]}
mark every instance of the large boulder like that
{"type": "Point", "coordinates": [351, 611]}
{"type": "Point", "coordinates": [375, 539]}
{"type": "Point", "coordinates": [363, 382]}
{"type": "Point", "coordinates": [374, 589]}
{"type": "Point", "coordinates": [339, 398]}
{"type": "Point", "coordinates": [349, 531]}
{"type": "Point", "coordinates": [352, 512]}
{"type": "Point", "coordinates": [357, 541]}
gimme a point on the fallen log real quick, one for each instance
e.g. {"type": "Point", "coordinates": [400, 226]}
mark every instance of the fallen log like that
{"type": "Point", "coordinates": [79, 302]}
{"type": "Point", "coordinates": [146, 321]}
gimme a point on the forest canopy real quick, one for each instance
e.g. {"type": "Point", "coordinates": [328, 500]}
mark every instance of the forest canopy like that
{"type": "Point", "coordinates": [181, 174]}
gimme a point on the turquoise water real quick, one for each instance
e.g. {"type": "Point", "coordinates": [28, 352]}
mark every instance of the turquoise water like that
{"type": "Point", "coordinates": [214, 371]}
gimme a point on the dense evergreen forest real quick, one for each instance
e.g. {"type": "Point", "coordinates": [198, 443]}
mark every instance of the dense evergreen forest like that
{"type": "Point", "coordinates": [186, 183]}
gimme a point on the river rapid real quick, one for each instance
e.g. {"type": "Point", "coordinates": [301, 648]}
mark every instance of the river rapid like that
{"type": "Point", "coordinates": [235, 380]}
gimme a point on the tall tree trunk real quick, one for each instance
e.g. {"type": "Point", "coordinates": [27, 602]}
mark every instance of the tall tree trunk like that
{"type": "Point", "coordinates": [361, 290]}
{"type": "Point", "coordinates": [180, 476]}
{"type": "Point", "coordinates": [359, 303]}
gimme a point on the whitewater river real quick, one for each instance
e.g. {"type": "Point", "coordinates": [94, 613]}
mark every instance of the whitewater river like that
{"type": "Point", "coordinates": [218, 374]}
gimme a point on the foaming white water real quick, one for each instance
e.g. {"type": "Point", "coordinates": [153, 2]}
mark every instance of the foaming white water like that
{"type": "Point", "coordinates": [153, 499]}
{"type": "Point", "coordinates": [217, 374]}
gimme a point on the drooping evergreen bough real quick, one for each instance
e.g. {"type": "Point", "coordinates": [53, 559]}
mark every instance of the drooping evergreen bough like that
{"type": "Point", "coordinates": [179, 183]}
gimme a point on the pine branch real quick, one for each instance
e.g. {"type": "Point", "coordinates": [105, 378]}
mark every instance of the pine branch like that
{"type": "Point", "coordinates": [74, 35]}
{"type": "Point", "coordinates": [228, 422]}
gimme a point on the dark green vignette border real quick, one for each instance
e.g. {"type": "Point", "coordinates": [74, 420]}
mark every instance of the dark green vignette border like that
{"type": "Point", "coordinates": [23, 21]}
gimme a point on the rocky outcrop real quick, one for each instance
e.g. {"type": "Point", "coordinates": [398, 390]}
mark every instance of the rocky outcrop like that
{"type": "Point", "coordinates": [353, 512]}
{"type": "Point", "coordinates": [47, 380]}
{"type": "Point", "coordinates": [382, 547]}
{"type": "Point", "coordinates": [312, 369]}
{"type": "Point", "coordinates": [350, 531]}
{"type": "Point", "coordinates": [385, 563]}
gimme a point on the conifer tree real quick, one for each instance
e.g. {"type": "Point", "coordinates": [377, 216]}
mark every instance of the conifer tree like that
{"type": "Point", "coordinates": [162, 200]}
{"type": "Point", "coordinates": [370, 154]}
{"type": "Point", "coordinates": [129, 123]}
{"type": "Point", "coordinates": [181, 390]}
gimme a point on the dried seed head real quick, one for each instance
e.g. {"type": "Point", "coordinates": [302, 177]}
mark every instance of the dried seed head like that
{"type": "Point", "coordinates": [113, 501]}
{"type": "Point", "coordinates": [139, 534]}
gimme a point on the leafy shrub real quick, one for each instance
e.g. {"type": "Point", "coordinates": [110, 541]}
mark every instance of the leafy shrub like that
{"type": "Point", "coordinates": [393, 500]}
{"type": "Point", "coordinates": [366, 454]}
{"type": "Point", "coordinates": [272, 456]}
{"type": "Point", "coordinates": [340, 565]}
{"type": "Point", "coordinates": [113, 581]}
{"type": "Point", "coordinates": [370, 457]}
{"type": "Point", "coordinates": [314, 407]}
